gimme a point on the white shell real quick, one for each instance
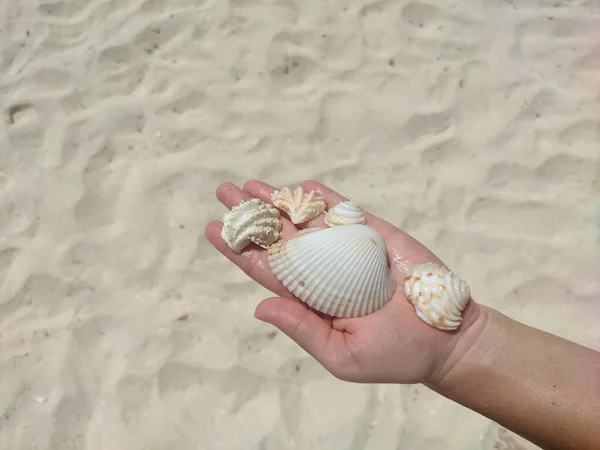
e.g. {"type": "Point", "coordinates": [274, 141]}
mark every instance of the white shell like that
{"type": "Point", "coordinates": [438, 295]}
{"type": "Point", "coordinates": [344, 213]}
{"type": "Point", "coordinates": [251, 221]}
{"type": "Point", "coordinates": [300, 206]}
{"type": "Point", "coordinates": [339, 271]}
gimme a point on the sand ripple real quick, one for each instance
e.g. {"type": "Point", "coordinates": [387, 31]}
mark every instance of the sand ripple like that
{"type": "Point", "coordinates": [474, 128]}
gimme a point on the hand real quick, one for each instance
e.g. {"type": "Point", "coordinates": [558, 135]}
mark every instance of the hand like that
{"type": "Point", "coordinates": [391, 345]}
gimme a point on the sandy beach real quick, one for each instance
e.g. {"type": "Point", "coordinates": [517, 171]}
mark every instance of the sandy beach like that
{"type": "Point", "coordinates": [475, 128]}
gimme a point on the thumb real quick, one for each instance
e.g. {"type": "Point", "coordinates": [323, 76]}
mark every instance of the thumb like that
{"type": "Point", "coordinates": [298, 322]}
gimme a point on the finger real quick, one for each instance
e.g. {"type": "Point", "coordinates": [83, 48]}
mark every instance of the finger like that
{"type": "Point", "coordinates": [230, 195]}
{"type": "Point", "coordinates": [252, 260]}
{"type": "Point", "coordinates": [297, 321]}
{"type": "Point", "coordinates": [332, 198]}
{"type": "Point", "coordinates": [259, 189]}
{"type": "Point", "coordinates": [263, 191]}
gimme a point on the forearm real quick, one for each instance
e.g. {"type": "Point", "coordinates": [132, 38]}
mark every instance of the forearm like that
{"type": "Point", "coordinates": [538, 385]}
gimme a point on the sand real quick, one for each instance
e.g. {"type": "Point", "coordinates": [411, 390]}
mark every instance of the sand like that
{"type": "Point", "coordinates": [476, 128]}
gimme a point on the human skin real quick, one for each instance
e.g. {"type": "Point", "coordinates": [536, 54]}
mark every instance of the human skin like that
{"type": "Point", "coordinates": [540, 386]}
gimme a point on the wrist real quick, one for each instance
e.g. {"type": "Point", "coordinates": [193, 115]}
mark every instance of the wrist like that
{"type": "Point", "coordinates": [466, 348]}
{"type": "Point", "coordinates": [539, 386]}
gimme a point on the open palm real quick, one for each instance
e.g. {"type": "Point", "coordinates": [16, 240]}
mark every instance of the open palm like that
{"type": "Point", "coordinates": [391, 345]}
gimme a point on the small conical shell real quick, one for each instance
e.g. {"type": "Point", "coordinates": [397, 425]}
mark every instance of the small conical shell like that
{"type": "Point", "coordinates": [300, 206]}
{"type": "Point", "coordinates": [344, 213]}
{"type": "Point", "coordinates": [251, 221]}
{"type": "Point", "coordinates": [438, 295]}
{"type": "Point", "coordinates": [339, 271]}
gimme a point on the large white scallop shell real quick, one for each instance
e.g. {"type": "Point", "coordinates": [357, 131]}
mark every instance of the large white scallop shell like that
{"type": "Point", "coordinates": [339, 271]}
{"type": "Point", "coordinates": [251, 221]}
{"type": "Point", "coordinates": [438, 295]}
{"type": "Point", "coordinates": [344, 213]}
{"type": "Point", "coordinates": [300, 206]}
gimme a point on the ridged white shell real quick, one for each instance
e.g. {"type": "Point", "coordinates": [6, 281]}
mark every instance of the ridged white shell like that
{"type": "Point", "coordinates": [344, 213]}
{"type": "Point", "coordinates": [300, 206]}
{"type": "Point", "coordinates": [439, 295]}
{"type": "Point", "coordinates": [339, 271]}
{"type": "Point", "coordinates": [251, 221]}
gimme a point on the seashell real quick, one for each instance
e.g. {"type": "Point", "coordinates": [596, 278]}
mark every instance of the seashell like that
{"type": "Point", "coordinates": [339, 271]}
{"type": "Point", "coordinates": [344, 213]}
{"type": "Point", "coordinates": [299, 205]}
{"type": "Point", "coordinates": [437, 294]}
{"type": "Point", "coordinates": [251, 221]}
